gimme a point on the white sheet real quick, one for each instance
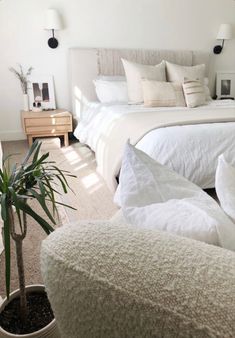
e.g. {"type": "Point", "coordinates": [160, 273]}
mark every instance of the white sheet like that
{"type": "Point", "coordinates": [190, 150]}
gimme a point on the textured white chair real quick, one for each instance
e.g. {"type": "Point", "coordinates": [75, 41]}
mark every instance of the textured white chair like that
{"type": "Point", "coordinates": [109, 280]}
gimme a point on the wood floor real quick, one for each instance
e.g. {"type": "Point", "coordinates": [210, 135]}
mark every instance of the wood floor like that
{"type": "Point", "coordinates": [90, 196]}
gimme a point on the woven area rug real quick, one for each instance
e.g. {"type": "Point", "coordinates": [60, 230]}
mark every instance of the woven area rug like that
{"type": "Point", "coordinates": [31, 248]}
{"type": "Point", "coordinates": [90, 197]}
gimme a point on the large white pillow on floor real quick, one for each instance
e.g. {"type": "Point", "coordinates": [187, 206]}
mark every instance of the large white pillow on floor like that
{"type": "Point", "coordinates": [225, 186]}
{"type": "Point", "coordinates": [153, 196]}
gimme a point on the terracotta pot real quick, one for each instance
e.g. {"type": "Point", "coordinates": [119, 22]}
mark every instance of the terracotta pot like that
{"type": "Point", "coordinates": [49, 331]}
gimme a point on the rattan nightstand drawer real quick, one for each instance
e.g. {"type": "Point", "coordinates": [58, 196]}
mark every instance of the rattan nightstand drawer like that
{"type": "Point", "coordinates": [51, 121]}
{"type": "Point", "coordinates": [40, 129]}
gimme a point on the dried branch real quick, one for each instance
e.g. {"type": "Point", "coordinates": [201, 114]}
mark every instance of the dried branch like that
{"type": "Point", "coordinates": [22, 77]}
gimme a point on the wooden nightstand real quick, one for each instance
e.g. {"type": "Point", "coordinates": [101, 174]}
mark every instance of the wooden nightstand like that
{"type": "Point", "coordinates": [47, 123]}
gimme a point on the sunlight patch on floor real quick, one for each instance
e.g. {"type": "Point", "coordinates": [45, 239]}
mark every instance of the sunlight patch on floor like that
{"type": "Point", "coordinates": [81, 166]}
{"type": "Point", "coordinates": [95, 188]}
{"type": "Point", "coordinates": [90, 180]}
{"type": "Point", "coordinates": [80, 159]}
{"type": "Point", "coordinates": [72, 156]}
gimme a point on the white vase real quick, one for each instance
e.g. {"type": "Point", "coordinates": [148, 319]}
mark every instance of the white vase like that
{"type": "Point", "coordinates": [25, 102]}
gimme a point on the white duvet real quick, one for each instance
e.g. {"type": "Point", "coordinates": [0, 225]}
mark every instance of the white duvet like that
{"type": "Point", "coordinates": [190, 150]}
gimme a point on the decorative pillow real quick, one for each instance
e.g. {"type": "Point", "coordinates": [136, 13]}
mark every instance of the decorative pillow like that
{"type": "Point", "coordinates": [134, 74]}
{"type": "Point", "coordinates": [111, 77]}
{"type": "Point", "coordinates": [162, 94]}
{"type": "Point", "coordinates": [109, 91]}
{"type": "Point", "coordinates": [194, 93]}
{"type": "Point", "coordinates": [225, 186]}
{"type": "Point", "coordinates": [177, 73]}
{"type": "Point", "coordinates": [154, 197]}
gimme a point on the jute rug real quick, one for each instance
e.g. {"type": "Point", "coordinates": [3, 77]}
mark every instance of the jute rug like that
{"type": "Point", "coordinates": [90, 197]}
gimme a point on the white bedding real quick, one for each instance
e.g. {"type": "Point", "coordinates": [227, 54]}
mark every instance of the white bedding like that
{"type": "Point", "coordinates": [154, 197]}
{"type": "Point", "coordinates": [190, 150]}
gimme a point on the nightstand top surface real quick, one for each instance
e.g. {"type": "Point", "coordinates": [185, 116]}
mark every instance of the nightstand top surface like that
{"type": "Point", "coordinates": [41, 114]}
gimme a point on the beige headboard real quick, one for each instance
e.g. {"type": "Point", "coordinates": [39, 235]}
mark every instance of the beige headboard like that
{"type": "Point", "coordinates": [86, 64]}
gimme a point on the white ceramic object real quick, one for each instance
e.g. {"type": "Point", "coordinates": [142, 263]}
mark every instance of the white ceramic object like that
{"type": "Point", "coordinates": [36, 109]}
{"type": "Point", "coordinates": [49, 331]}
{"type": "Point", "coordinates": [25, 102]}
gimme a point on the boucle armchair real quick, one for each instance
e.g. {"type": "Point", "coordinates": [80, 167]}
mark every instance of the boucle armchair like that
{"type": "Point", "coordinates": [113, 280]}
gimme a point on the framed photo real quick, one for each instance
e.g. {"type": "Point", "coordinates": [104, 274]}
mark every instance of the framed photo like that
{"type": "Point", "coordinates": [225, 85]}
{"type": "Point", "coordinates": [41, 89]}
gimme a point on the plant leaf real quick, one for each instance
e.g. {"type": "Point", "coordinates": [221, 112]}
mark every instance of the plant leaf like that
{"type": "Point", "coordinates": [41, 200]}
{"type": "Point", "coordinates": [44, 224]}
{"type": "Point", "coordinates": [3, 207]}
{"type": "Point", "coordinates": [30, 152]}
{"type": "Point", "coordinates": [16, 204]}
{"type": "Point", "coordinates": [64, 205]}
{"type": "Point", "coordinates": [7, 247]}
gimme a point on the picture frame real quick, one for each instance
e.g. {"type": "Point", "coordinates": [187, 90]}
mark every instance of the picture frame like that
{"type": "Point", "coordinates": [225, 84]}
{"type": "Point", "coordinates": [41, 89]}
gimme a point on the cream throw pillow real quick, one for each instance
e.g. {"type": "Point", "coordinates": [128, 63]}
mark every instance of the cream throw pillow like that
{"type": "Point", "coordinates": [177, 73]}
{"type": "Point", "coordinates": [194, 93]}
{"type": "Point", "coordinates": [134, 74]}
{"type": "Point", "coordinates": [162, 94]}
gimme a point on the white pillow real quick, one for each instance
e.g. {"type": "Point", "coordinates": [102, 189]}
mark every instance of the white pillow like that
{"type": "Point", "coordinates": [177, 73]}
{"type": "Point", "coordinates": [225, 186]}
{"type": "Point", "coordinates": [109, 91]}
{"type": "Point", "coordinates": [155, 197]}
{"type": "Point", "coordinates": [194, 93]}
{"type": "Point", "coordinates": [162, 94]}
{"type": "Point", "coordinates": [111, 77]}
{"type": "Point", "coordinates": [135, 72]}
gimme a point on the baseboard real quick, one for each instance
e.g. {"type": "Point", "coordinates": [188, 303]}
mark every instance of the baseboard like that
{"type": "Point", "coordinates": [12, 135]}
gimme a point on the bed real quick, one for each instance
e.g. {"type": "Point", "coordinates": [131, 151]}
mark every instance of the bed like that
{"type": "Point", "coordinates": [188, 141]}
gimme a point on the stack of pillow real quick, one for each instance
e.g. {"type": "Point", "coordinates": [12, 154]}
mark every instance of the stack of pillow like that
{"type": "Point", "coordinates": [162, 85]}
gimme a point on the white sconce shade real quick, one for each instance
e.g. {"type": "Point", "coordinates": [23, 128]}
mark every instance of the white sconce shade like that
{"type": "Point", "coordinates": [225, 32]}
{"type": "Point", "coordinates": [53, 20]}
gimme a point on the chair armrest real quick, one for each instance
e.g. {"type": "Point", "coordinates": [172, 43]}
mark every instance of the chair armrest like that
{"type": "Point", "coordinates": [106, 280]}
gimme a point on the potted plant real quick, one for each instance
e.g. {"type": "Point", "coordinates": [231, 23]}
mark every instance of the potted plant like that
{"type": "Point", "coordinates": [26, 312]}
{"type": "Point", "coordinates": [23, 78]}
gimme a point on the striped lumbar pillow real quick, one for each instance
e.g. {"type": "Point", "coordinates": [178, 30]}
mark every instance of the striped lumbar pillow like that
{"type": "Point", "coordinates": [194, 93]}
{"type": "Point", "coordinates": [162, 94]}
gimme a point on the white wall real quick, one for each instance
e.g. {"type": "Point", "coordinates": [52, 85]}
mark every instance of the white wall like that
{"type": "Point", "coordinates": [167, 24]}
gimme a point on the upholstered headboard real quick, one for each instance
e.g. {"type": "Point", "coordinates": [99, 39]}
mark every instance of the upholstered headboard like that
{"type": "Point", "coordinates": [86, 64]}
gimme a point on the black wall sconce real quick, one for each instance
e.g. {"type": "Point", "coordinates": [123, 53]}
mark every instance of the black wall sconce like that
{"type": "Point", "coordinates": [53, 22]}
{"type": "Point", "coordinates": [225, 33]}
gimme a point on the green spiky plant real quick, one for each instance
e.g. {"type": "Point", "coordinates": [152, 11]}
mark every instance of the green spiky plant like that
{"type": "Point", "coordinates": [38, 179]}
